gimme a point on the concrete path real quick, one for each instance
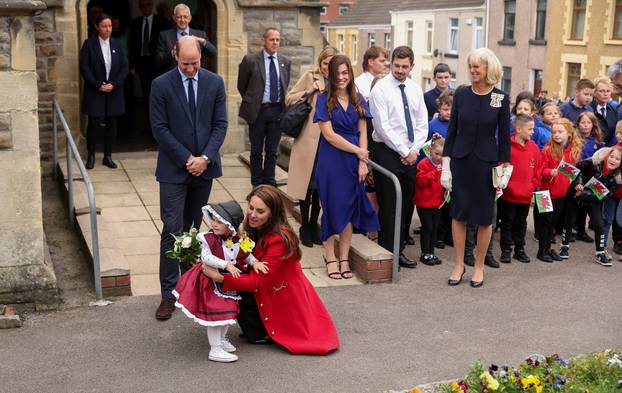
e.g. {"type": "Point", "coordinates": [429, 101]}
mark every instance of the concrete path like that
{"type": "Point", "coordinates": [392, 336]}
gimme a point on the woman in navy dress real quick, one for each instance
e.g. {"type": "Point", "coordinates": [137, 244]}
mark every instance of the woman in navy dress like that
{"type": "Point", "coordinates": [342, 115]}
{"type": "Point", "coordinates": [478, 138]}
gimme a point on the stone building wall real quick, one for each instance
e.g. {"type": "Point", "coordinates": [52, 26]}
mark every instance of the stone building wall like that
{"type": "Point", "coordinates": [26, 275]}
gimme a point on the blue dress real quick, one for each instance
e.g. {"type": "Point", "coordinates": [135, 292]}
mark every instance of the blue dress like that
{"type": "Point", "coordinates": [342, 196]}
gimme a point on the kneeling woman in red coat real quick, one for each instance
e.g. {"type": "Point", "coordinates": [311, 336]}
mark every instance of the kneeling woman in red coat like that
{"type": "Point", "coordinates": [284, 306]}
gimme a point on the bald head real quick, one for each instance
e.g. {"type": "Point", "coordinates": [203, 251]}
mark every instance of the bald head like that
{"type": "Point", "coordinates": [188, 53]}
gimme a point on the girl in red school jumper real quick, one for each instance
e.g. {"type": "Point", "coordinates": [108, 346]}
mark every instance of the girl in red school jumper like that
{"type": "Point", "coordinates": [513, 207]}
{"type": "Point", "coordinates": [429, 199]}
{"type": "Point", "coordinates": [567, 145]}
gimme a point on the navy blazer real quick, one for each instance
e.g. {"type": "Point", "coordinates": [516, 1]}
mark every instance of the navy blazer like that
{"type": "Point", "coordinates": [173, 129]}
{"type": "Point", "coordinates": [607, 125]}
{"type": "Point", "coordinates": [479, 126]}
{"type": "Point", "coordinates": [167, 41]}
{"type": "Point", "coordinates": [136, 38]}
{"type": "Point", "coordinates": [93, 71]}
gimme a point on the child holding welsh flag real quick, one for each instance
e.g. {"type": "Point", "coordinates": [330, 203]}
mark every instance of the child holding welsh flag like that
{"type": "Point", "coordinates": [564, 147]}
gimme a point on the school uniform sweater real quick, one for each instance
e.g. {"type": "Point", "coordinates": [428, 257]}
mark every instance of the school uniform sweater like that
{"type": "Point", "coordinates": [526, 161]}
{"type": "Point", "coordinates": [557, 185]}
{"type": "Point", "coordinates": [428, 185]}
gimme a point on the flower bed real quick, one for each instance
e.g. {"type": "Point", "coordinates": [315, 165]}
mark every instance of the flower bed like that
{"type": "Point", "coordinates": [599, 372]}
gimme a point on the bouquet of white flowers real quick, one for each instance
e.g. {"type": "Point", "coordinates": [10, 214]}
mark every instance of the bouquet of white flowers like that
{"type": "Point", "coordinates": [187, 248]}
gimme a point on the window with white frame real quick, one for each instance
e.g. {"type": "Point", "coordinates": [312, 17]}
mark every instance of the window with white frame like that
{"type": "Point", "coordinates": [453, 35]}
{"type": "Point", "coordinates": [343, 8]}
{"type": "Point", "coordinates": [340, 43]}
{"type": "Point", "coordinates": [578, 19]}
{"type": "Point", "coordinates": [323, 10]}
{"type": "Point", "coordinates": [387, 41]}
{"type": "Point", "coordinates": [409, 33]}
{"type": "Point", "coordinates": [371, 39]}
{"type": "Point", "coordinates": [617, 21]}
{"type": "Point", "coordinates": [573, 75]}
{"type": "Point", "coordinates": [323, 27]}
{"type": "Point", "coordinates": [428, 36]}
{"type": "Point", "coordinates": [478, 33]}
{"type": "Point", "coordinates": [452, 80]}
{"type": "Point", "coordinates": [355, 48]}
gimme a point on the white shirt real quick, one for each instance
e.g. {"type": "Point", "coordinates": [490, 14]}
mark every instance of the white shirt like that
{"type": "Point", "coordinates": [266, 87]}
{"type": "Point", "coordinates": [363, 83]}
{"type": "Point", "coordinates": [195, 84]}
{"type": "Point", "coordinates": [599, 109]}
{"type": "Point", "coordinates": [385, 104]}
{"type": "Point", "coordinates": [105, 46]}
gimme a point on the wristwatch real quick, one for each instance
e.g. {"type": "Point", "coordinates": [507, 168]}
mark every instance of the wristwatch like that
{"type": "Point", "coordinates": [203, 156]}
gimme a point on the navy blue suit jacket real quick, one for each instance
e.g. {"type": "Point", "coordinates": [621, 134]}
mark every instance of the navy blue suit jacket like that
{"type": "Point", "coordinates": [607, 125]}
{"type": "Point", "coordinates": [173, 129]}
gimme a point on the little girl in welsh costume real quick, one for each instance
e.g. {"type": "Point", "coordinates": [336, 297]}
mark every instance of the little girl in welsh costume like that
{"type": "Point", "coordinates": [198, 296]}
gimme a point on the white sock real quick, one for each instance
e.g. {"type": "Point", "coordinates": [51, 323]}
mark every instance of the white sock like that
{"type": "Point", "coordinates": [214, 336]}
{"type": "Point", "coordinates": [223, 331]}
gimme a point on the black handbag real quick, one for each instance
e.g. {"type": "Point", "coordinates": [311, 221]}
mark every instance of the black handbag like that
{"type": "Point", "coordinates": [294, 118]}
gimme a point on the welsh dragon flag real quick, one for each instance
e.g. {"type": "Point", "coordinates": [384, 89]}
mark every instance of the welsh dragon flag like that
{"type": "Point", "coordinates": [427, 148]}
{"type": "Point", "coordinates": [568, 170]}
{"type": "Point", "coordinates": [597, 188]}
{"type": "Point", "coordinates": [543, 201]}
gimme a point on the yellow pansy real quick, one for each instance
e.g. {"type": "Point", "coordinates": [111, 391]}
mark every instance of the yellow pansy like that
{"type": "Point", "coordinates": [489, 381]}
{"type": "Point", "coordinates": [455, 387]}
{"type": "Point", "coordinates": [228, 243]}
{"type": "Point", "coordinates": [247, 245]}
{"type": "Point", "coordinates": [531, 381]}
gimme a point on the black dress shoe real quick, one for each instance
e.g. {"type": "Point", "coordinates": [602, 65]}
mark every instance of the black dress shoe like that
{"type": "Point", "coordinates": [555, 256]}
{"type": "Point", "coordinates": [469, 260]}
{"type": "Point", "coordinates": [584, 237]}
{"type": "Point", "coordinates": [490, 261]}
{"type": "Point", "coordinates": [453, 283]}
{"type": "Point", "coordinates": [410, 241]}
{"type": "Point", "coordinates": [316, 236]}
{"type": "Point", "coordinates": [417, 231]}
{"type": "Point", "coordinates": [439, 244]}
{"type": "Point", "coordinates": [521, 256]}
{"type": "Point", "coordinates": [305, 235]}
{"type": "Point", "coordinates": [107, 161]}
{"type": "Point", "coordinates": [90, 162]}
{"type": "Point", "coordinates": [477, 284]}
{"type": "Point", "coordinates": [617, 248]}
{"type": "Point", "coordinates": [427, 259]}
{"type": "Point", "coordinates": [405, 262]}
{"type": "Point", "coordinates": [506, 256]}
{"type": "Point", "coordinates": [544, 256]}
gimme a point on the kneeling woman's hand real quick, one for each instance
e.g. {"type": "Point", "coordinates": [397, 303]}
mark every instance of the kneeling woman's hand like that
{"type": "Point", "coordinates": [260, 267]}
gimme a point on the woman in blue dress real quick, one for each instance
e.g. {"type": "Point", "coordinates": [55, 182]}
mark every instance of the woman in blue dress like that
{"type": "Point", "coordinates": [342, 115]}
{"type": "Point", "coordinates": [478, 138]}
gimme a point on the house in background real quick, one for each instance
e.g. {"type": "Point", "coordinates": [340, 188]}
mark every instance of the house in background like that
{"type": "Point", "coordinates": [367, 23]}
{"type": "Point", "coordinates": [518, 33]}
{"type": "Point", "coordinates": [585, 38]}
{"type": "Point", "coordinates": [331, 10]}
{"type": "Point", "coordinates": [442, 31]}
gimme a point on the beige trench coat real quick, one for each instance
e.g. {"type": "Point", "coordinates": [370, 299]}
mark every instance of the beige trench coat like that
{"type": "Point", "coordinates": [305, 146]}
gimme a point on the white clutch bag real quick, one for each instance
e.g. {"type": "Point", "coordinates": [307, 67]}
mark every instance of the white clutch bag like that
{"type": "Point", "coordinates": [501, 176]}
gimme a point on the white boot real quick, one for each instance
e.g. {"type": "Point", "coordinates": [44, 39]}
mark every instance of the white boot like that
{"type": "Point", "coordinates": [217, 353]}
{"type": "Point", "coordinates": [226, 344]}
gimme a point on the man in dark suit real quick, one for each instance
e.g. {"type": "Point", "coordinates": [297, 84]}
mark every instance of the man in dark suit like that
{"type": "Point", "coordinates": [188, 111]}
{"type": "Point", "coordinates": [144, 33]}
{"type": "Point", "coordinates": [103, 67]}
{"type": "Point", "coordinates": [604, 111]}
{"type": "Point", "coordinates": [263, 78]}
{"type": "Point", "coordinates": [168, 38]}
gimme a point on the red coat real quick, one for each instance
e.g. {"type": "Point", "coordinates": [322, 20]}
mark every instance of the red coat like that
{"type": "Point", "coordinates": [526, 162]}
{"type": "Point", "coordinates": [429, 192]}
{"type": "Point", "coordinates": [558, 185]}
{"type": "Point", "coordinates": [292, 312]}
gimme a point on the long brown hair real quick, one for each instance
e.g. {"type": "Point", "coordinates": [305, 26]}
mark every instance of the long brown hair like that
{"type": "Point", "coordinates": [277, 222]}
{"type": "Point", "coordinates": [574, 141]}
{"type": "Point", "coordinates": [333, 75]}
{"type": "Point", "coordinates": [596, 132]}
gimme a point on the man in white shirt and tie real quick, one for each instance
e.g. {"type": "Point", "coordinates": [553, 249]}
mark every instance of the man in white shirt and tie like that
{"type": "Point", "coordinates": [374, 64]}
{"type": "Point", "coordinates": [604, 111]}
{"type": "Point", "coordinates": [400, 130]}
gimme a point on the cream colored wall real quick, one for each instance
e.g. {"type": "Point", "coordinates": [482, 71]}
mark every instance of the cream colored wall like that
{"type": "Point", "coordinates": [423, 61]}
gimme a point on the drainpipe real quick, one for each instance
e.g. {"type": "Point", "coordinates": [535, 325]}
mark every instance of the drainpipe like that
{"type": "Point", "coordinates": [487, 21]}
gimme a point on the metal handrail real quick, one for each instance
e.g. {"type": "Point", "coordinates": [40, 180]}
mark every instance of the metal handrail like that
{"type": "Point", "coordinates": [72, 151]}
{"type": "Point", "coordinates": [398, 216]}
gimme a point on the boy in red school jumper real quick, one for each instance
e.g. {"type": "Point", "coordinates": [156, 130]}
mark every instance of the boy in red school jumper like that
{"type": "Point", "coordinates": [513, 207]}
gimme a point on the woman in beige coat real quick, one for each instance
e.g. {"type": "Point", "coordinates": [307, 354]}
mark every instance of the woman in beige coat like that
{"type": "Point", "coordinates": [301, 176]}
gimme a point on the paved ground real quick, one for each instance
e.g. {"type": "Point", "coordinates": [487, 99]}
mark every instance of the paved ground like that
{"type": "Point", "coordinates": [392, 336]}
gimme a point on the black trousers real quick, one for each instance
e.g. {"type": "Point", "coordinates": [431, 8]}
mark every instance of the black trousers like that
{"type": "Point", "coordinates": [513, 224]}
{"type": "Point", "coordinates": [264, 135]}
{"type": "Point", "coordinates": [596, 218]}
{"type": "Point", "coordinates": [180, 209]}
{"type": "Point", "coordinates": [97, 125]}
{"type": "Point", "coordinates": [249, 318]}
{"type": "Point", "coordinates": [430, 219]}
{"type": "Point", "coordinates": [546, 224]}
{"type": "Point", "coordinates": [385, 192]}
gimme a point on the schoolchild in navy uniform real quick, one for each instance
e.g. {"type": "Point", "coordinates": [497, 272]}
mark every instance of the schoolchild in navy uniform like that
{"type": "Point", "coordinates": [584, 92]}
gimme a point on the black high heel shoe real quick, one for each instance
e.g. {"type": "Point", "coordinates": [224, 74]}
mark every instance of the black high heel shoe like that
{"type": "Point", "coordinates": [477, 284]}
{"type": "Point", "coordinates": [453, 283]}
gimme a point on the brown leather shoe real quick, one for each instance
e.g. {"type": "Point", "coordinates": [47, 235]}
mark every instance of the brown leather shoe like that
{"type": "Point", "coordinates": [165, 310]}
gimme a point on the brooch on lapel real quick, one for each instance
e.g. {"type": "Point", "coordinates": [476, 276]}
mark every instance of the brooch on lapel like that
{"type": "Point", "coordinates": [114, 51]}
{"type": "Point", "coordinates": [495, 100]}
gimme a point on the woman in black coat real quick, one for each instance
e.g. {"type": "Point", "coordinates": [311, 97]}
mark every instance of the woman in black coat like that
{"type": "Point", "coordinates": [478, 138]}
{"type": "Point", "coordinates": [104, 67]}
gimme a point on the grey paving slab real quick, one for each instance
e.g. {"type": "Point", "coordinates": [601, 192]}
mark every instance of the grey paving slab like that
{"type": "Point", "coordinates": [144, 245]}
{"type": "Point", "coordinates": [237, 172]}
{"type": "Point", "coordinates": [117, 200]}
{"type": "Point", "coordinates": [144, 264]}
{"type": "Point", "coordinates": [139, 163]}
{"type": "Point", "coordinates": [120, 214]}
{"type": "Point", "coordinates": [108, 176]}
{"type": "Point", "coordinates": [117, 187]}
{"type": "Point", "coordinates": [130, 229]}
{"type": "Point", "coordinates": [231, 160]}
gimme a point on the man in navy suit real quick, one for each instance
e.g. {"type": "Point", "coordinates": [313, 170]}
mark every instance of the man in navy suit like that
{"type": "Point", "coordinates": [604, 111]}
{"type": "Point", "coordinates": [188, 111]}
